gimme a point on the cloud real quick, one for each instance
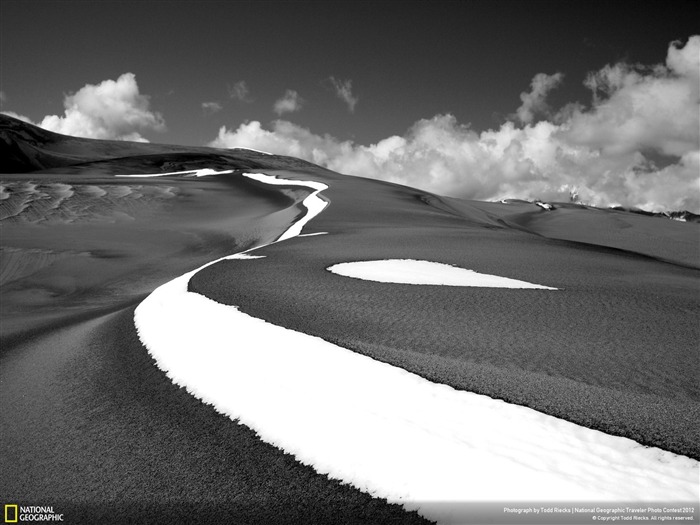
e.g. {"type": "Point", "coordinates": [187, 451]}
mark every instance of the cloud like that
{"type": "Point", "coordinates": [534, 102]}
{"type": "Point", "coordinates": [603, 154]}
{"type": "Point", "coordinates": [290, 102]}
{"type": "Point", "coordinates": [643, 109]}
{"type": "Point", "coordinates": [210, 108]}
{"type": "Point", "coordinates": [683, 61]}
{"type": "Point", "coordinates": [285, 138]}
{"type": "Point", "coordinates": [343, 89]}
{"type": "Point", "coordinates": [240, 91]}
{"type": "Point", "coordinates": [112, 109]}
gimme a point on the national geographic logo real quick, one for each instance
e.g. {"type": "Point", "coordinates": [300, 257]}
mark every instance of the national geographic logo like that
{"type": "Point", "coordinates": [11, 513]}
{"type": "Point", "coordinates": [15, 513]}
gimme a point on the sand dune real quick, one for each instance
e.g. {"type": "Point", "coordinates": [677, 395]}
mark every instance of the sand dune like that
{"type": "Point", "coordinates": [640, 234]}
{"type": "Point", "coordinates": [589, 353]}
{"type": "Point", "coordinates": [90, 422]}
{"type": "Point", "coordinates": [35, 202]}
{"type": "Point", "coordinates": [380, 429]}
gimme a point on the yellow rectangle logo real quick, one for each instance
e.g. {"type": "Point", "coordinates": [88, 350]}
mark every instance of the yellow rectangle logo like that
{"type": "Point", "coordinates": [8, 509]}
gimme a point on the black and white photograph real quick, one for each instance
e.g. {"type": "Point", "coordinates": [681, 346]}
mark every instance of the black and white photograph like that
{"type": "Point", "coordinates": [348, 262]}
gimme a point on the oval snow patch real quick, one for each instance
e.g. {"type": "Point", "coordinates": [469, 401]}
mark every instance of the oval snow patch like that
{"type": "Point", "coordinates": [411, 271]}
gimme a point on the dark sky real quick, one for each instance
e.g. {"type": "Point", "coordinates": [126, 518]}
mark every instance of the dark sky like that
{"type": "Point", "coordinates": [406, 60]}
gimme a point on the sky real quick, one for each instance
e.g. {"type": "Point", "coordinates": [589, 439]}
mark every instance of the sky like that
{"type": "Point", "coordinates": [591, 101]}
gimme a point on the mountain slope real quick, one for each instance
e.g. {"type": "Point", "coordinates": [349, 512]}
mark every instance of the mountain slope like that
{"type": "Point", "coordinates": [26, 148]}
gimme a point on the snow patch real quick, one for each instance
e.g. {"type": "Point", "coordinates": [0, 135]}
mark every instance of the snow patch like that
{"type": "Point", "coordinates": [411, 271]}
{"type": "Point", "coordinates": [312, 234]}
{"type": "Point", "coordinates": [256, 150]}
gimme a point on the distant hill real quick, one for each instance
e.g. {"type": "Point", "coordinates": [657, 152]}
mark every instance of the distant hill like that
{"type": "Point", "coordinates": [26, 148]}
{"type": "Point", "coordinates": [684, 216]}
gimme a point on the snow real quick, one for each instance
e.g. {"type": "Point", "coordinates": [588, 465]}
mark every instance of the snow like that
{"type": "Point", "coordinates": [312, 234]}
{"type": "Point", "coordinates": [197, 173]}
{"type": "Point", "coordinates": [382, 429]}
{"type": "Point", "coordinates": [411, 271]}
{"type": "Point", "coordinates": [313, 202]}
{"type": "Point", "coordinates": [256, 150]}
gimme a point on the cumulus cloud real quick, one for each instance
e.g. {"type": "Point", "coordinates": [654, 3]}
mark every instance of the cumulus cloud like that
{"type": "Point", "coordinates": [643, 109]}
{"type": "Point", "coordinates": [240, 91]}
{"type": "Point", "coordinates": [684, 60]}
{"type": "Point", "coordinates": [602, 154]}
{"type": "Point", "coordinates": [210, 108]}
{"type": "Point", "coordinates": [534, 102]}
{"type": "Point", "coordinates": [112, 109]}
{"type": "Point", "coordinates": [343, 89]}
{"type": "Point", "coordinates": [290, 102]}
{"type": "Point", "coordinates": [285, 138]}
